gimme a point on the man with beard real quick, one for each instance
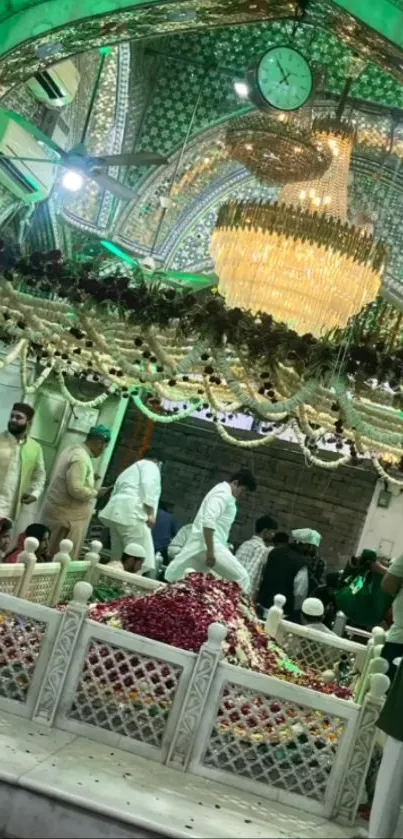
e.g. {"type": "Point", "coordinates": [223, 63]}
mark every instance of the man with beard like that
{"type": "Point", "coordinates": [22, 470]}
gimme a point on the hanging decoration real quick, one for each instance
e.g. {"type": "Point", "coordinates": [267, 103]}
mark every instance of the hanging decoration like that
{"type": "Point", "coordinates": [189, 352]}
{"type": "Point", "coordinates": [275, 151]}
{"type": "Point", "coordinates": [299, 259]}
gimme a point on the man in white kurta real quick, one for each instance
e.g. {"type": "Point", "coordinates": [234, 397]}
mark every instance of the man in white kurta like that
{"type": "Point", "coordinates": [206, 548]}
{"type": "Point", "coordinates": [132, 508]}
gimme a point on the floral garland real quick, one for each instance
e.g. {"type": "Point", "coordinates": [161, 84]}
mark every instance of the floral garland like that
{"type": "Point", "coordinates": [286, 406]}
{"type": "Point", "coordinates": [361, 426]}
{"type": "Point", "coordinates": [27, 389]}
{"type": "Point", "coordinates": [13, 354]}
{"type": "Point", "coordinates": [163, 418]}
{"type": "Point", "coordinates": [383, 474]}
{"type": "Point", "coordinates": [79, 403]}
{"type": "Point", "coordinates": [329, 465]}
{"type": "Point", "coordinates": [204, 313]}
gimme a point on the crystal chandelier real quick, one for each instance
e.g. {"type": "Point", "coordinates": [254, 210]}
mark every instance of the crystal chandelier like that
{"type": "Point", "coordinates": [299, 259]}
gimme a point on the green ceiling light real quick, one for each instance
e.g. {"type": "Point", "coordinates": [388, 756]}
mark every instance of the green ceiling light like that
{"type": "Point", "coordinates": [198, 281]}
{"type": "Point", "coordinates": [112, 248]}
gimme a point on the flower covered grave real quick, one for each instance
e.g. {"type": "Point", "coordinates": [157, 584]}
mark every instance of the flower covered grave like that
{"type": "Point", "coordinates": [180, 615]}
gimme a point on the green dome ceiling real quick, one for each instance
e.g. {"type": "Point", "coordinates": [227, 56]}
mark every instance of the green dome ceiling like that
{"type": "Point", "coordinates": [165, 79]}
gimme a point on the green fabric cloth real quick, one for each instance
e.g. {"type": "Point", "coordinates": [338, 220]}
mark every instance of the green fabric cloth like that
{"type": "Point", "coordinates": [103, 594]}
{"type": "Point", "coordinates": [363, 601]}
{"type": "Point", "coordinates": [391, 719]}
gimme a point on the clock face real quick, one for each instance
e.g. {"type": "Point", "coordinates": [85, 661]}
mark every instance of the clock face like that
{"type": "Point", "coordinates": [284, 78]}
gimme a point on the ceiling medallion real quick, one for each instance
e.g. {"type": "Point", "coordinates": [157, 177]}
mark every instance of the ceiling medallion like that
{"type": "Point", "coordinates": [274, 151]}
{"type": "Point", "coordinates": [299, 259]}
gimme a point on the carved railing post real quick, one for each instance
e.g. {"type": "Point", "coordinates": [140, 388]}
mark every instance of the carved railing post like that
{"type": "Point", "coordinates": [340, 623]}
{"type": "Point", "coordinates": [275, 615]}
{"type": "Point", "coordinates": [196, 697]}
{"type": "Point", "coordinates": [361, 750]}
{"type": "Point", "coordinates": [93, 556]}
{"type": "Point", "coordinates": [64, 557]}
{"type": "Point", "coordinates": [62, 654]}
{"type": "Point", "coordinates": [373, 648]}
{"type": "Point", "coordinates": [28, 558]}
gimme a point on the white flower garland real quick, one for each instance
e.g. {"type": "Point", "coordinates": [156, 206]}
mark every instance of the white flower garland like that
{"type": "Point", "coordinates": [27, 389]}
{"type": "Point", "coordinates": [355, 420]}
{"type": "Point", "coordinates": [329, 465]}
{"type": "Point", "coordinates": [304, 394]}
{"type": "Point", "coordinates": [234, 441]}
{"type": "Point", "coordinates": [79, 403]}
{"type": "Point", "coordinates": [14, 353]}
{"type": "Point", "coordinates": [384, 475]}
{"type": "Point", "coordinates": [151, 415]}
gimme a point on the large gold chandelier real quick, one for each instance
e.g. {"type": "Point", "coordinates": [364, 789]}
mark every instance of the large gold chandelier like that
{"type": "Point", "coordinates": [299, 259]}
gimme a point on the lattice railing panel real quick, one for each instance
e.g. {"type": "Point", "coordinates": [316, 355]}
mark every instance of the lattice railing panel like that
{"type": "Point", "coordinates": [315, 655]}
{"type": "Point", "coordinates": [41, 587]}
{"type": "Point", "coordinates": [274, 741]}
{"type": "Point", "coordinates": [10, 585]}
{"type": "Point", "coordinates": [125, 692]}
{"type": "Point", "coordinates": [21, 639]}
{"type": "Point", "coordinates": [73, 576]}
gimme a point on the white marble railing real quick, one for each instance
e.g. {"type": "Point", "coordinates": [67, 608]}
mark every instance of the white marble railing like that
{"type": "Point", "coordinates": [190, 711]}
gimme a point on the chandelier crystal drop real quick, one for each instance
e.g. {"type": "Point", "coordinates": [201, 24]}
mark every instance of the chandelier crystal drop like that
{"type": "Point", "coordinates": [299, 259]}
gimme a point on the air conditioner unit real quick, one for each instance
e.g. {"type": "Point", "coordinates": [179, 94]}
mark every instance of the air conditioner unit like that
{"type": "Point", "coordinates": [56, 86]}
{"type": "Point", "coordinates": [29, 181]}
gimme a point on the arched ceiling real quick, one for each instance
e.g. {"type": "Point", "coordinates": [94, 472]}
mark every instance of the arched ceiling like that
{"type": "Point", "coordinates": [147, 100]}
{"type": "Point", "coordinates": [36, 33]}
{"type": "Point", "coordinates": [165, 83]}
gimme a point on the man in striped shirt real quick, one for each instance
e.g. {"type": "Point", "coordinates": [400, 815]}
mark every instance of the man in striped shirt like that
{"type": "Point", "coordinates": [253, 553]}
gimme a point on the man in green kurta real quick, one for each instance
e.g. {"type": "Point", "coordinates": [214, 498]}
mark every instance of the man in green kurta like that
{"type": "Point", "coordinates": [388, 797]}
{"type": "Point", "coordinates": [22, 470]}
{"type": "Point", "coordinates": [71, 494]}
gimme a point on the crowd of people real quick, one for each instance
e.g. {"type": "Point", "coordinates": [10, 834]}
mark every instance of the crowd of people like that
{"type": "Point", "coordinates": [141, 528]}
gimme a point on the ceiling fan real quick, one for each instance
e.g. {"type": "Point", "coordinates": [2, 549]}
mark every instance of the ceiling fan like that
{"type": "Point", "coordinates": [78, 161]}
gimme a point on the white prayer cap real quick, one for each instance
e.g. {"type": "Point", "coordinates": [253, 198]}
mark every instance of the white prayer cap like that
{"type": "Point", "coordinates": [312, 607]}
{"type": "Point", "coordinates": [307, 537]}
{"type": "Point", "coordinates": [133, 549]}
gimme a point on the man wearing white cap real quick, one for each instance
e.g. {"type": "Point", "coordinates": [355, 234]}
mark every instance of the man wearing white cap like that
{"type": "Point", "coordinates": [308, 542]}
{"type": "Point", "coordinates": [287, 572]}
{"type": "Point", "coordinates": [312, 613]}
{"type": "Point", "coordinates": [132, 559]}
{"type": "Point", "coordinates": [132, 508]}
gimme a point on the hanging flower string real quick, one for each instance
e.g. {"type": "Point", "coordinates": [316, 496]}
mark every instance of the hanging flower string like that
{"type": "Point", "coordinates": [79, 403]}
{"type": "Point", "coordinates": [131, 333]}
{"type": "Point", "coordinates": [163, 418]}
{"type": "Point", "coordinates": [385, 475]}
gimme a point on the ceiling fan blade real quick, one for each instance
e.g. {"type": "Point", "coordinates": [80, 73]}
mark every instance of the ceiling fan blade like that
{"type": "Point", "coordinates": [140, 158]}
{"type": "Point", "coordinates": [34, 131]}
{"type": "Point", "coordinates": [120, 190]}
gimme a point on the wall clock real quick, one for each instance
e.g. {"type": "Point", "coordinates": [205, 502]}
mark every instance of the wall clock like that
{"type": "Point", "coordinates": [282, 79]}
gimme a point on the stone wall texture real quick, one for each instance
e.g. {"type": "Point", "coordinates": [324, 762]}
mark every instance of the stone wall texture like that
{"type": "Point", "coordinates": [334, 503]}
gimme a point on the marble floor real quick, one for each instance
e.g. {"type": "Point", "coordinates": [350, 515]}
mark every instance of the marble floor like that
{"type": "Point", "coordinates": [131, 790]}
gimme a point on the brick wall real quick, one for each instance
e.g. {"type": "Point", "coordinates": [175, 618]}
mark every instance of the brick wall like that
{"type": "Point", "coordinates": [334, 503]}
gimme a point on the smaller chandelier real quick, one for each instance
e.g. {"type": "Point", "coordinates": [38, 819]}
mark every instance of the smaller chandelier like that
{"type": "Point", "coordinates": [299, 259]}
{"type": "Point", "coordinates": [273, 151]}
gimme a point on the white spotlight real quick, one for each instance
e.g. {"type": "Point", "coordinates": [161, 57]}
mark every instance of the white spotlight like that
{"type": "Point", "coordinates": [241, 88]}
{"type": "Point", "coordinates": [73, 181]}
